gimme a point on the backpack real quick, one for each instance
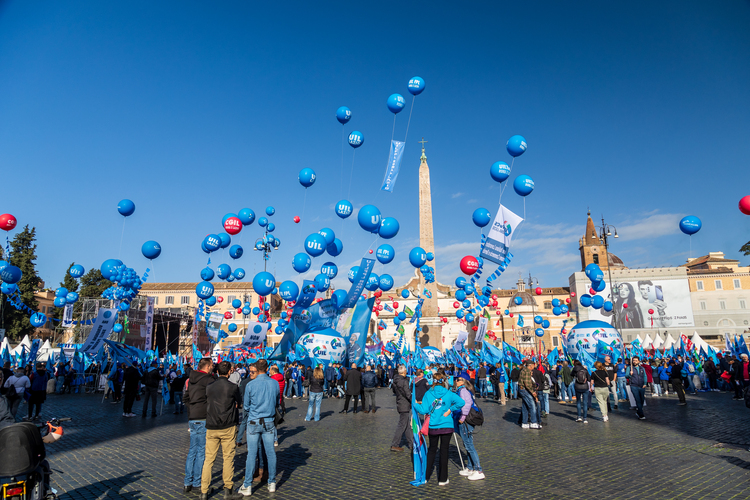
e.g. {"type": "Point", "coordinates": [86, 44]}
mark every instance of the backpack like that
{"type": "Point", "coordinates": [581, 376]}
{"type": "Point", "coordinates": [475, 416]}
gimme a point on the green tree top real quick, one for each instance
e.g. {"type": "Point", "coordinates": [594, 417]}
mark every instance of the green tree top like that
{"type": "Point", "coordinates": [23, 256]}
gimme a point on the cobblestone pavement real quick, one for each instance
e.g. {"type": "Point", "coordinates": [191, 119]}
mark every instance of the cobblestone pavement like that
{"type": "Point", "coordinates": [694, 451]}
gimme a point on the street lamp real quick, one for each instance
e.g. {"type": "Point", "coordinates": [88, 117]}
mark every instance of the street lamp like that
{"type": "Point", "coordinates": [605, 231]}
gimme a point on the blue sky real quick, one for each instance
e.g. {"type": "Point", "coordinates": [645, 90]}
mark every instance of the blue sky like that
{"type": "Point", "coordinates": [636, 110]}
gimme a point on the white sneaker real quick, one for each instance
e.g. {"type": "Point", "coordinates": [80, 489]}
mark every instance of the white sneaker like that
{"type": "Point", "coordinates": [606, 419]}
{"type": "Point", "coordinates": [245, 492]}
{"type": "Point", "coordinates": [124, 414]}
{"type": "Point", "coordinates": [466, 472]}
{"type": "Point", "coordinates": [535, 426]}
{"type": "Point", "coordinates": [271, 487]}
{"type": "Point", "coordinates": [478, 474]}
{"type": "Point", "coordinates": [524, 426]}
{"type": "Point", "coordinates": [444, 483]}
{"type": "Point", "coordinates": [275, 443]}
{"type": "Point", "coordinates": [585, 421]}
{"type": "Point", "coordinates": [579, 419]}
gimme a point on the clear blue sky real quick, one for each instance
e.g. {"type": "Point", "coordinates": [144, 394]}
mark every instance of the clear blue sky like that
{"type": "Point", "coordinates": [638, 110]}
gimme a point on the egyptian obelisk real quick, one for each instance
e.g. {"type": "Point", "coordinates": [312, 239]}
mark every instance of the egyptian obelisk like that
{"type": "Point", "coordinates": [430, 322]}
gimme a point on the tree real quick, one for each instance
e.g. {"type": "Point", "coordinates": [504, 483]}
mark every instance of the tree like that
{"type": "Point", "coordinates": [93, 284]}
{"type": "Point", "coordinates": [23, 255]}
{"type": "Point", "coordinates": [745, 248]}
{"type": "Point", "coordinates": [71, 284]}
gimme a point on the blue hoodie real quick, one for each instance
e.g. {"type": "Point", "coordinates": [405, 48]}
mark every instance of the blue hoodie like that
{"type": "Point", "coordinates": [447, 400]}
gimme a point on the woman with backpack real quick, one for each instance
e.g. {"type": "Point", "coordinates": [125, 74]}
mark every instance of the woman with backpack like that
{"type": "Point", "coordinates": [16, 385]}
{"type": "Point", "coordinates": [465, 390]}
{"type": "Point", "coordinates": [582, 386]}
{"type": "Point", "coordinates": [439, 404]}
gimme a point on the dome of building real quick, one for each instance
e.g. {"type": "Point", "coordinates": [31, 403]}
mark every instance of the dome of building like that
{"type": "Point", "coordinates": [614, 261]}
{"type": "Point", "coordinates": [528, 299]}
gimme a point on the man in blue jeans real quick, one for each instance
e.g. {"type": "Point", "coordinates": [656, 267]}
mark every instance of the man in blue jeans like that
{"type": "Point", "coordinates": [621, 382]}
{"type": "Point", "coordinates": [259, 403]}
{"type": "Point", "coordinates": [527, 391]}
{"type": "Point", "coordinates": [636, 374]}
{"type": "Point", "coordinates": [195, 401]}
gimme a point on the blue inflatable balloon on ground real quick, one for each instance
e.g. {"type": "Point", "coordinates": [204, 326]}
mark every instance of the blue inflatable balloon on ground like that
{"type": "Point", "coordinates": [417, 257]}
{"type": "Point", "coordinates": [264, 283]}
{"type": "Point", "coordinates": [516, 146]}
{"type": "Point", "coordinates": [388, 228]}
{"type": "Point", "coordinates": [344, 209]}
{"type": "Point", "coordinates": [500, 171]}
{"type": "Point", "coordinates": [126, 207]}
{"type": "Point", "coordinates": [481, 217]}
{"type": "Point", "coordinates": [315, 244]}
{"type": "Point", "coordinates": [11, 275]}
{"type": "Point", "coordinates": [236, 252]}
{"type": "Point", "coordinates": [76, 271]}
{"type": "Point", "coordinates": [329, 269]}
{"type": "Point", "coordinates": [523, 185]}
{"type": "Point", "coordinates": [385, 253]}
{"type": "Point", "coordinates": [328, 234]}
{"type": "Point", "coordinates": [396, 103]}
{"type": "Point", "coordinates": [416, 85]}
{"type": "Point", "coordinates": [690, 224]}
{"type": "Point", "coordinates": [335, 248]}
{"type": "Point", "coordinates": [204, 290]}
{"type": "Point", "coordinates": [246, 216]}
{"type": "Point", "coordinates": [289, 291]}
{"type": "Point", "coordinates": [385, 282]}
{"type": "Point", "coordinates": [460, 314]}
{"type": "Point", "coordinates": [301, 262]}
{"type": "Point", "coordinates": [356, 139]}
{"type": "Point", "coordinates": [343, 114]}
{"type": "Point", "coordinates": [369, 218]}
{"type": "Point", "coordinates": [207, 274]}
{"type": "Point", "coordinates": [306, 177]}
{"type": "Point", "coordinates": [151, 249]}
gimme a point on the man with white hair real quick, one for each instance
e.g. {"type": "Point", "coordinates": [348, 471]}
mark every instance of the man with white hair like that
{"type": "Point", "coordinates": [403, 406]}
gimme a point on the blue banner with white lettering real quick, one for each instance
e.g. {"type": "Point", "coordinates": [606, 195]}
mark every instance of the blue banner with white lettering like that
{"type": "Point", "coordinates": [394, 165]}
{"type": "Point", "coordinates": [356, 336]}
{"type": "Point", "coordinates": [360, 280]}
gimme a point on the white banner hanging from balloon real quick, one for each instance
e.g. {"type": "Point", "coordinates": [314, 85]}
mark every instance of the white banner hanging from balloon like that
{"type": "Point", "coordinates": [394, 165]}
{"type": "Point", "coordinates": [498, 240]}
{"type": "Point", "coordinates": [67, 321]}
{"type": "Point", "coordinates": [100, 330]}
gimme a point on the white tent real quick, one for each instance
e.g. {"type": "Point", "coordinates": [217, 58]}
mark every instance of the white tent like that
{"type": "Point", "coordinates": [669, 342]}
{"type": "Point", "coordinates": [647, 343]}
{"type": "Point", "coordinates": [639, 339]}
{"type": "Point", "coordinates": [699, 342]}
{"type": "Point", "coordinates": [658, 342]}
{"type": "Point", "coordinates": [5, 345]}
{"type": "Point", "coordinates": [24, 343]}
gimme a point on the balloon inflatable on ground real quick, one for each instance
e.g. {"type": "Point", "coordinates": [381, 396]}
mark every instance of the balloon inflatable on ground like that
{"type": "Point", "coordinates": [589, 333]}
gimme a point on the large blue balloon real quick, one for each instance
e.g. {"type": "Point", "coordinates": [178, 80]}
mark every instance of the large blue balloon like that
{"type": "Point", "coordinates": [204, 290]}
{"type": "Point", "coordinates": [690, 224]}
{"type": "Point", "coordinates": [335, 248]}
{"type": "Point", "coordinates": [289, 291]}
{"type": "Point", "coordinates": [212, 242]}
{"type": "Point", "coordinates": [76, 271]}
{"type": "Point", "coordinates": [402, 315]}
{"type": "Point", "coordinates": [430, 256]}
{"type": "Point", "coordinates": [369, 218]}
{"type": "Point", "coordinates": [328, 234]}
{"type": "Point", "coordinates": [61, 301]}
{"type": "Point", "coordinates": [236, 303]}
{"type": "Point", "coordinates": [516, 146]}
{"type": "Point", "coordinates": [238, 273]}
{"type": "Point", "coordinates": [607, 306]}
{"type": "Point", "coordinates": [270, 211]}
{"type": "Point", "coordinates": [262, 222]}
{"type": "Point", "coordinates": [555, 302]}
{"type": "Point", "coordinates": [8, 288]}
{"type": "Point", "coordinates": [518, 301]}
{"type": "Point", "coordinates": [207, 274]}
{"type": "Point", "coordinates": [385, 253]}
{"type": "Point", "coordinates": [37, 320]}
{"type": "Point", "coordinates": [405, 293]}
{"type": "Point", "coordinates": [417, 257]}
{"type": "Point", "coordinates": [481, 217]}
{"type": "Point", "coordinates": [594, 272]}
{"type": "Point", "coordinates": [232, 327]}
{"type": "Point", "coordinates": [500, 171]}
{"type": "Point", "coordinates": [315, 244]}
{"type": "Point", "coordinates": [352, 273]}
{"type": "Point", "coordinates": [460, 282]}
{"type": "Point", "coordinates": [211, 301]}
{"type": "Point", "coordinates": [236, 251]}
{"type": "Point", "coordinates": [539, 332]}
{"type": "Point", "coordinates": [322, 282]}
{"type": "Point", "coordinates": [226, 240]}
{"type": "Point", "coordinates": [388, 228]}
{"type": "Point", "coordinates": [460, 295]}
{"type": "Point", "coordinates": [523, 185]}
{"type": "Point", "coordinates": [598, 286]}
{"type": "Point", "coordinates": [11, 275]}
{"type": "Point", "coordinates": [585, 300]}
{"type": "Point", "coordinates": [343, 114]}
{"type": "Point", "coordinates": [339, 297]}
{"type": "Point", "coordinates": [538, 320]}
{"type": "Point", "coordinates": [344, 209]}
{"type": "Point", "coordinates": [151, 249]}
{"type": "Point", "coordinates": [556, 311]}
{"type": "Point", "coordinates": [386, 282]}
{"type": "Point", "coordinates": [223, 271]}
{"type": "Point", "coordinates": [306, 177]}
{"type": "Point", "coordinates": [546, 324]}
{"type": "Point", "coordinates": [61, 292]}
{"type": "Point", "coordinates": [396, 103]}
{"type": "Point", "coordinates": [126, 207]}
{"type": "Point", "coordinates": [469, 288]}
{"type": "Point", "coordinates": [301, 262]}
{"type": "Point", "coordinates": [264, 283]}
{"type": "Point", "coordinates": [270, 227]}
{"type": "Point", "coordinates": [597, 302]}
{"type": "Point", "coordinates": [416, 85]}
{"type": "Point", "coordinates": [460, 313]}
{"type": "Point", "coordinates": [469, 317]}
{"type": "Point", "coordinates": [372, 282]}
{"type": "Point", "coordinates": [356, 139]}
{"type": "Point", "coordinates": [246, 216]}
{"type": "Point", "coordinates": [329, 269]}
{"type": "Point", "coordinates": [109, 267]}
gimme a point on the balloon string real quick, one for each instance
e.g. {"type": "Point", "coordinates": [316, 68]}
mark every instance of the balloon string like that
{"type": "Point", "coordinates": [505, 183]}
{"type": "Point", "coordinates": [524, 208]}
{"type": "Point", "coordinates": [351, 174]}
{"type": "Point", "coordinates": [122, 235]}
{"type": "Point", "coordinates": [302, 221]}
{"type": "Point", "coordinates": [343, 135]}
{"type": "Point", "coordinates": [408, 122]}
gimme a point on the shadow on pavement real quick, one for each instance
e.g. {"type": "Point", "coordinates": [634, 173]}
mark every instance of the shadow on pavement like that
{"type": "Point", "coordinates": [110, 487]}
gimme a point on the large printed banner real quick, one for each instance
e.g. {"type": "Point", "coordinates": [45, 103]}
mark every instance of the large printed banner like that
{"type": "Point", "coordinates": [318, 317]}
{"type": "Point", "coordinates": [325, 345]}
{"type": "Point", "coordinates": [213, 325]}
{"type": "Point", "coordinates": [394, 165]}
{"type": "Point", "coordinates": [149, 321]}
{"type": "Point", "coordinates": [67, 321]}
{"type": "Point", "coordinates": [255, 335]}
{"type": "Point", "coordinates": [360, 280]}
{"type": "Point", "coordinates": [100, 330]}
{"type": "Point", "coordinates": [498, 240]}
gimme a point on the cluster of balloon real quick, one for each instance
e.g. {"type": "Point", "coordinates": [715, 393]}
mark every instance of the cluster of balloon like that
{"type": "Point", "coordinates": [126, 280]}
{"type": "Point", "coordinates": [9, 274]}
{"type": "Point", "coordinates": [591, 299]}
{"type": "Point", "coordinates": [466, 309]}
{"type": "Point", "coordinates": [267, 243]}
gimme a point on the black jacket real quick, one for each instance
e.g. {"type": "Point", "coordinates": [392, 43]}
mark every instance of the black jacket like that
{"type": "Point", "coordinates": [369, 380]}
{"type": "Point", "coordinates": [152, 378]}
{"type": "Point", "coordinates": [178, 384]}
{"type": "Point", "coordinates": [131, 377]}
{"type": "Point", "coordinates": [403, 393]}
{"type": "Point", "coordinates": [222, 404]}
{"type": "Point", "coordinates": [420, 389]}
{"type": "Point", "coordinates": [353, 381]}
{"type": "Point", "coordinates": [6, 417]}
{"type": "Point", "coordinates": [195, 396]}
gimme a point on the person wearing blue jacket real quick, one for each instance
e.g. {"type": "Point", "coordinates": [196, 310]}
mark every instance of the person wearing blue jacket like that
{"type": "Point", "coordinates": [439, 404]}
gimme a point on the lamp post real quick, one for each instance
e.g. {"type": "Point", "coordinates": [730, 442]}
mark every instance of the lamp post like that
{"type": "Point", "coordinates": [605, 231]}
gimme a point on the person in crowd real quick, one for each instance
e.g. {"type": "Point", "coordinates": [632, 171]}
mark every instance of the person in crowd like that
{"type": "Point", "coordinates": [400, 385]}
{"type": "Point", "coordinates": [259, 402]}
{"type": "Point", "coordinates": [466, 392]}
{"type": "Point", "coordinates": [527, 390]}
{"type": "Point", "coordinates": [317, 379]}
{"type": "Point", "coordinates": [602, 382]}
{"type": "Point", "coordinates": [582, 386]}
{"type": "Point", "coordinates": [664, 376]}
{"type": "Point", "coordinates": [515, 373]}
{"type": "Point", "coordinates": [649, 376]}
{"type": "Point", "coordinates": [222, 404]}
{"type": "Point", "coordinates": [421, 386]}
{"type": "Point", "coordinates": [176, 387]}
{"type": "Point", "coordinates": [6, 417]}
{"type": "Point", "coordinates": [611, 370]}
{"type": "Point", "coordinates": [622, 394]}
{"type": "Point", "coordinates": [353, 380]}
{"type": "Point", "coordinates": [7, 373]}
{"type": "Point", "coordinates": [330, 376]}
{"type": "Point", "coordinates": [678, 386]}
{"type": "Point", "coordinates": [566, 386]}
{"type": "Point", "coordinates": [656, 386]}
{"type": "Point", "coordinates": [16, 386]}
{"type": "Point", "coordinates": [498, 380]}
{"type": "Point", "coordinates": [273, 372]}
{"type": "Point", "coordinates": [288, 381]}
{"type": "Point", "coordinates": [439, 404]}
{"type": "Point", "coordinates": [542, 383]}
{"type": "Point", "coordinates": [482, 380]}
{"type": "Point", "coordinates": [637, 379]}
{"type": "Point", "coordinates": [151, 380]}
{"type": "Point", "coordinates": [38, 391]}
{"type": "Point", "coordinates": [196, 402]}
{"type": "Point", "coordinates": [369, 385]}
{"type": "Point", "coordinates": [132, 379]}
{"type": "Point", "coordinates": [740, 376]}
{"type": "Point", "coordinates": [235, 377]}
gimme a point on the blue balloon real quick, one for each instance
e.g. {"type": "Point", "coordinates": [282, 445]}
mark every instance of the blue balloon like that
{"type": "Point", "coordinates": [481, 217]}
{"type": "Point", "coordinates": [372, 282]}
{"type": "Point", "coordinates": [538, 320]}
{"type": "Point", "coordinates": [223, 271]}
{"type": "Point", "coordinates": [211, 301]}
{"type": "Point", "coordinates": [344, 209]}
{"type": "Point", "coordinates": [126, 207]}
{"type": "Point", "coordinates": [270, 211]}
{"type": "Point", "coordinates": [207, 274]}
{"type": "Point", "coordinates": [607, 306]}
{"type": "Point", "coordinates": [289, 291]}
{"type": "Point", "coordinates": [76, 271]}
{"type": "Point", "coordinates": [539, 332]}
{"type": "Point", "coordinates": [151, 250]}
{"type": "Point", "coordinates": [416, 85]}
{"type": "Point", "coordinates": [563, 309]}
{"type": "Point", "coordinates": [352, 273]}
{"type": "Point", "coordinates": [8, 289]}
{"type": "Point", "coordinates": [71, 298]}
{"type": "Point", "coordinates": [402, 316]}
{"type": "Point", "coordinates": [306, 177]}
{"type": "Point", "coordinates": [264, 283]}
{"type": "Point", "coordinates": [405, 294]}
{"type": "Point", "coordinates": [256, 310]}
{"type": "Point", "coordinates": [369, 218]}
{"type": "Point", "coordinates": [328, 234]}
{"type": "Point", "coordinates": [469, 288]}
{"type": "Point", "coordinates": [388, 228]}
{"type": "Point", "coordinates": [61, 292]}
{"type": "Point", "coordinates": [598, 286]}
{"type": "Point", "coordinates": [117, 328]}
{"type": "Point", "coordinates": [329, 269]}
{"type": "Point", "coordinates": [124, 306]}
{"type": "Point", "coordinates": [460, 282]}
{"type": "Point", "coordinates": [396, 103]}
{"type": "Point", "coordinates": [469, 317]}
{"type": "Point", "coordinates": [322, 283]}
{"type": "Point", "coordinates": [315, 244]}
{"type": "Point", "coordinates": [339, 297]}
{"type": "Point", "coordinates": [226, 240]}
{"type": "Point", "coordinates": [212, 242]}
{"type": "Point", "coordinates": [597, 302]}
{"type": "Point", "coordinates": [417, 257]}
{"type": "Point", "coordinates": [236, 303]}
{"type": "Point", "coordinates": [523, 185]}
{"type": "Point", "coordinates": [335, 248]}
{"type": "Point", "coordinates": [301, 262]}
{"type": "Point", "coordinates": [270, 227]}
{"type": "Point", "coordinates": [227, 216]}
{"type": "Point", "coordinates": [555, 302]}
{"type": "Point", "coordinates": [690, 224]}
{"type": "Point", "coordinates": [500, 171]}
{"type": "Point", "coordinates": [585, 300]}
{"type": "Point", "coordinates": [343, 114]}
{"type": "Point", "coordinates": [108, 268]}
{"type": "Point", "coordinates": [37, 320]}
{"type": "Point", "coordinates": [230, 278]}
{"type": "Point", "coordinates": [516, 146]}
{"type": "Point", "coordinates": [356, 139]}
{"type": "Point", "coordinates": [61, 301]}
{"type": "Point", "coordinates": [460, 313]}
{"type": "Point", "coordinates": [593, 272]}
{"type": "Point", "coordinates": [236, 251]}
{"type": "Point", "coordinates": [506, 312]}
{"type": "Point", "coordinates": [11, 275]}
{"type": "Point", "coordinates": [246, 216]}
{"type": "Point", "coordinates": [385, 253]}
{"type": "Point", "coordinates": [430, 256]}
{"type": "Point", "coordinates": [460, 295]}
{"type": "Point", "coordinates": [466, 303]}
{"type": "Point", "coordinates": [262, 222]}
{"type": "Point", "coordinates": [232, 327]}
{"type": "Point", "coordinates": [386, 282]}
{"type": "Point", "coordinates": [556, 311]}
{"type": "Point", "coordinates": [396, 321]}
{"type": "Point", "coordinates": [545, 324]}
{"type": "Point", "coordinates": [518, 301]}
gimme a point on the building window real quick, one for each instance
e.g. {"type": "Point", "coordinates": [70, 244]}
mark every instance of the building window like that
{"type": "Point", "coordinates": [596, 258]}
{"type": "Point", "coordinates": [185, 300]}
{"type": "Point", "coordinates": [44, 309]}
{"type": "Point", "coordinates": [737, 285]}
{"type": "Point", "coordinates": [744, 322]}
{"type": "Point", "coordinates": [703, 305]}
{"type": "Point", "coordinates": [230, 299]}
{"type": "Point", "coordinates": [705, 323]}
{"type": "Point", "coordinates": [548, 305]}
{"type": "Point", "coordinates": [699, 285]}
{"type": "Point", "coordinates": [156, 301]}
{"type": "Point", "coordinates": [717, 284]}
{"type": "Point", "coordinates": [725, 322]}
{"type": "Point", "coordinates": [742, 304]}
{"type": "Point", "coordinates": [722, 304]}
{"type": "Point", "coordinates": [169, 300]}
{"type": "Point", "coordinates": [555, 342]}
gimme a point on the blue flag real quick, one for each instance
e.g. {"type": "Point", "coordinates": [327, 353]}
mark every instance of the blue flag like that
{"type": "Point", "coordinates": [420, 449]}
{"type": "Point", "coordinates": [552, 357]}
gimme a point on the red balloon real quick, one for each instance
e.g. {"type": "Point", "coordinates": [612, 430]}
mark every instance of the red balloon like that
{"type": "Point", "coordinates": [494, 303]}
{"type": "Point", "coordinates": [592, 291]}
{"type": "Point", "coordinates": [625, 306]}
{"type": "Point", "coordinates": [564, 331]}
{"type": "Point", "coordinates": [378, 293]}
{"type": "Point", "coordinates": [219, 299]}
{"type": "Point", "coordinates": [744, 206]}
{"type": "Point", "coordinates": [572, 294]}
{"type": "Point", "coordinates": [567, 301]}
{"type": "Point", "coordinates": [499, 312]}
{"type": "Point", "coordinates": [377, 313]}
{"type": "Point", "coordinates": [228, 315]}
{"type": "Point", "coordinates": [494, 297]}
{"type": "Point", "coordinates": [538, 290]}
{"type": "Point", "coordinates": [7, 222]}
{"type": "Point", "coordinates": [511, 315]}
{"type": "Point", "coordinates": [475, 328]}
{"type": "Point", "coordinates": [651, 311]}
{"type": "Point", "coordinates": [456, 305]}
{"type": "Point", "coordinates": [239, 311]}
{"type": "Point", "coordinates": [370, 250]}
{"type": "Point", "coordinates": [469, 265]}
{"type": "Point", "coordinates": [395, 305]}
{"type": "Point", "coordinates": [233, 225]}
{"type": "Point", "coordinates": [296, 219]}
